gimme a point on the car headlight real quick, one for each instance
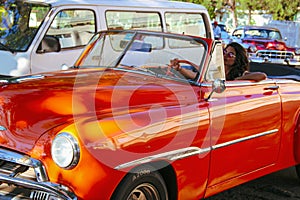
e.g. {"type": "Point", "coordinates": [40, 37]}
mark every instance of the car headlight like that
{"type": "Point", "coordinates": [252, 49]}
{"type": "Point", "coordinates": [65, 150]}
{"type": "Point", "coordinates": [297, 51]}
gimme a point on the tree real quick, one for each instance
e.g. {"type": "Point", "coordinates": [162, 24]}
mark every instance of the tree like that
{"type": "Point", "coordinates": [280, 9]}
{"type": "Point", "coordinates": [231, 6]}
{"type": "Point", "coordinates": [210, 5]}
{"type": "Point", "coordinates": [250, 6]}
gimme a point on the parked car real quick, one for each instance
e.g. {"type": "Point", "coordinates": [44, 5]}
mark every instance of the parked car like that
{"type": "Point", "coordinates": [266, 45]}
{"type": "Point", "coordinates": [32, 33]}
{"type": "Point", "coordinates": [122, 124]}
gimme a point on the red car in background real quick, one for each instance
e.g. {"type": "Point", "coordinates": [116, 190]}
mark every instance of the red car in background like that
{"type": "Point", "coordinates": [266, 45]}
{"type": "Point", "coordinates": [122, 124]}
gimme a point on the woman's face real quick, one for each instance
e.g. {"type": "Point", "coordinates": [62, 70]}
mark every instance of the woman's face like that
{"type": "Point", "coordinates": [229, 56]}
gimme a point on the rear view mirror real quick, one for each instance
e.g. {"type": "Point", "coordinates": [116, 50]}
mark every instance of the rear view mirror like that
{"type": "Point", "coordinates": [49, 44]}
{"type": "Point", "coordinates": [141, 46]}
{"type": "Point", "coordinates": [137, 46]}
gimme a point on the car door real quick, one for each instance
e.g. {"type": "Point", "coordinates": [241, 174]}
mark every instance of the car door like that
{"type": "Point", "coordinates": [73, 27]}
{"type": "Point", "coordinates": [245, 124]}
{"type": "Point", "coordinates": [245, 129]}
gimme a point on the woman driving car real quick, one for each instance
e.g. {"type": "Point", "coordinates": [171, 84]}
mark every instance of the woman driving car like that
{"type": "Point", "coordinates": [235, 61]}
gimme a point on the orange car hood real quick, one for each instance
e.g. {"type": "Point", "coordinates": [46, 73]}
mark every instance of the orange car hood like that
{"type": "Point", "coordinates": [30, 106]}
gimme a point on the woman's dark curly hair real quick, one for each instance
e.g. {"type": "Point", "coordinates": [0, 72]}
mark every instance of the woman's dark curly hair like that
{"type": "Point", "coordinates": [241, 62]}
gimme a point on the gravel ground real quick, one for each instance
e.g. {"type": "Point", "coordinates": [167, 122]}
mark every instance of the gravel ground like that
{"type": "Point", "coordinates": [282, 185]}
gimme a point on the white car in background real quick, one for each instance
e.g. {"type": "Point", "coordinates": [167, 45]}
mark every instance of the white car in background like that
{"type": "Point", "coordinates": [49, 35]}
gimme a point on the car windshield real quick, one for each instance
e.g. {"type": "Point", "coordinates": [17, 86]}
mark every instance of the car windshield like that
{"type": "Point", "coordinates": [143, 51]}
{"type": "Point", "coordinates": [263, 34]}
{"type": "Point", "coordinates": [20, 22]}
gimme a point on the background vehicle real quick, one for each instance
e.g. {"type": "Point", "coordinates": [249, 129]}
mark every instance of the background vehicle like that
{"type": "Point", "coordinates": [289, 30]}
{"type": "Point", "coordinates": [123, 124]}
{"type": "Point", "coordinates": [266, 45]}
{"type": "Point", "coordinates": [39, 36]}
{"type": "Point", "coordinates": [225, 36]}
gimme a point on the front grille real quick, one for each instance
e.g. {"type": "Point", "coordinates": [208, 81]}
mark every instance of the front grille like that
{"type": "Point", "coordinates": [17, 166]}
{"type": "Point", "coordinates": [8, 191]}
{"type": "Point", "coordinates": [17, 170]}
{"type": "Point", "coordinates": [13, 164]}
{"type": "Point", "coordinates": [274, 54]}
{"type": "Point", "coordinates": [23, 177]}
{"type": "Point", "coordinates": [39, 195]}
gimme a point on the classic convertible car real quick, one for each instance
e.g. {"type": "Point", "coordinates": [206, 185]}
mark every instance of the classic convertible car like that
{"type": "Point", "coordinates": [123, 124]}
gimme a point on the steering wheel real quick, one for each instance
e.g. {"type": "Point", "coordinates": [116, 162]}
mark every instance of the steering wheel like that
{"type": "Point", "coordinates": [172, 72]}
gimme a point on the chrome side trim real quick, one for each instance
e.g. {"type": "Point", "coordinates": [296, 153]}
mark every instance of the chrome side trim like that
{"type": "Point", "coordinates": [241, 83]}
{"type": "Point", "coordinates": [244, 139]}
{"type": "Point", "coordinates": [190, 151]}
{"type": "Point", "coordinates": [171, 156]}
{"type": "Point", "coordinates": [29, 77]}
{"type": "Point", "coordinates": [12, 79]}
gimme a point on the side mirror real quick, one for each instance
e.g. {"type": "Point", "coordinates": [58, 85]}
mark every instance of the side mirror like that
{"type": "Point", "coordinates": [49, 44]}
{"type": "Point", "coordinates": [218, 86]}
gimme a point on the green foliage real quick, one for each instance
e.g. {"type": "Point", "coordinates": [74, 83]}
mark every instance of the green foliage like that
{"type": "Point", "coordinates": [211, 5]}
{"type": "Point", "coordinates": [283, 9]}
{"type": "Point", "coordinates": [280, 9]}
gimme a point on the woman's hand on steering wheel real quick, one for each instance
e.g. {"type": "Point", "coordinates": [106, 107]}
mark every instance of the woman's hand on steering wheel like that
{"type": "Point", "coordinates": [175, 66]}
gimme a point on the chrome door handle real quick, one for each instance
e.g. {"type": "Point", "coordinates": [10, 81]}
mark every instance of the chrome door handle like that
{"type": "Point", "coordinates": [274, 87]}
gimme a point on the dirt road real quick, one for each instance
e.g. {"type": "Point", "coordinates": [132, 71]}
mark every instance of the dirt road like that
{"type": "Point", "coordinates": [282, 185]}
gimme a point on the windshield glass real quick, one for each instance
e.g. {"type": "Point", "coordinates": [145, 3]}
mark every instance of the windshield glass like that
{"type": "Point", "coordinates": [263, 34]}
{"type": "Point", "coordinates": [151, 52]}
{"type": "Point", "coordinates": [20, 22]}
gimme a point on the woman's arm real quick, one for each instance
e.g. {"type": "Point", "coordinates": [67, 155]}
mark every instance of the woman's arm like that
{"type": "Point", "coordinates": [187, 73]}
{"type": "Point", "coordinates": [255, 76]}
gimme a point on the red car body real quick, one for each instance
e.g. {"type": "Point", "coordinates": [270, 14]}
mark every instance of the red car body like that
{"type": "Point", "coordinates": [138, 131]}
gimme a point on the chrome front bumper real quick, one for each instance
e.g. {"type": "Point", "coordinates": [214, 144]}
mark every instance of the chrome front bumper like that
{"type": "Point", "coordinates": [23, 172]}
{"type": "Point", "coordinates": [275, 56]}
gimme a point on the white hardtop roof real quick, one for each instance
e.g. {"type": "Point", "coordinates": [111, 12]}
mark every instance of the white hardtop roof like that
{"type": "Point", "coordinates": [126, 3]}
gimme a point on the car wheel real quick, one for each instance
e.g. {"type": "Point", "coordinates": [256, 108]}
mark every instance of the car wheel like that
{"type": "Point", "coordinates": [298, 170]}
{"type": "Point", "coordinates": [142, 184]}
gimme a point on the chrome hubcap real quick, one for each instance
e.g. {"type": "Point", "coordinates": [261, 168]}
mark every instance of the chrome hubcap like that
{"type": "Point", "coordinates": [144, 191]}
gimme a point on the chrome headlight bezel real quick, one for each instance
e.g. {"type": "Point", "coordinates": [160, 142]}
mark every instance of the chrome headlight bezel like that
{"type": "Point", "coordinates": [252, 49]}
{"type": "Point", "coordinates": [65, 150]}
